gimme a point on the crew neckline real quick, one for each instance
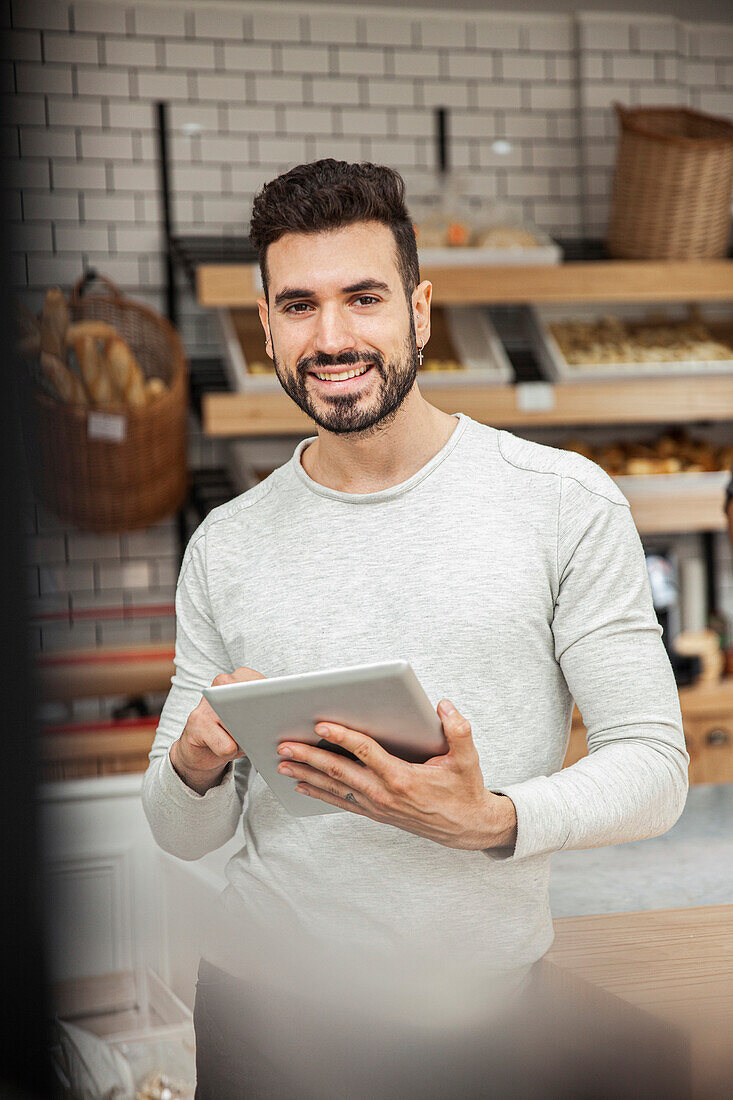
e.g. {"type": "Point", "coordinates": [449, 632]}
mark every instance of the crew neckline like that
{"type": "Point", "coordinates": [381, 494]}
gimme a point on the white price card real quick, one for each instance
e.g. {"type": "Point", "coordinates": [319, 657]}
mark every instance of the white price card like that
{"type": "Point", "coordinates": [535, 396]}
{"type": "Point", "coordinates": [111, 427]}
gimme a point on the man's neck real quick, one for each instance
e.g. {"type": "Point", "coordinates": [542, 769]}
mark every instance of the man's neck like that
{"type": "Point", "coordinates": [369, 463]}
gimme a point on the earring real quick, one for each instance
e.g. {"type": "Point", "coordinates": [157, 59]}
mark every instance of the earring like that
{"type": "Point", "coordinates": [419, 351]}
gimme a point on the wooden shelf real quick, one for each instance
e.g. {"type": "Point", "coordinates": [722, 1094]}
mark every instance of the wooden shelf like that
{"type": "Point", "coordinates": [93, 752]}
{"type": "Point", "coordinates": [124, 670]}
{"type": "Point", "coordinates": [633, 401]}
{"type": "Point", "coordinates": [673, 504]}
{"type": "Point", "coordinates": [227, 285]}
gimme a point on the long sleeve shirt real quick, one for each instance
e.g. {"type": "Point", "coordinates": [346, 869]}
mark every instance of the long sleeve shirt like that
{"type": "Point", "coordinates": [512, 578]}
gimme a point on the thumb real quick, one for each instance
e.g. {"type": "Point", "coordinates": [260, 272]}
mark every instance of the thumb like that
{"type": "Point", "coordinates": [243, 674]}
{"type": "Point", "coordinates": [457, 730]}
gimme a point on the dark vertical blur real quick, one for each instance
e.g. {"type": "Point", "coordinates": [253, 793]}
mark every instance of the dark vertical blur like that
{"type": "Point", "coordinates": [24, 1066]}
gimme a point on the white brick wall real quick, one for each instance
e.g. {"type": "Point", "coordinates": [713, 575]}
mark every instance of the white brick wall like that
{"type": "Point", "coordinates": [270, 85]}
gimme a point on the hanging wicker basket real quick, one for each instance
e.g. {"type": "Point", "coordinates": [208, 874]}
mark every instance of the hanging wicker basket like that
{"type": "Point", "coordinates": [673, 184]}
{"type": "Point", "coordinates": [117, 468]}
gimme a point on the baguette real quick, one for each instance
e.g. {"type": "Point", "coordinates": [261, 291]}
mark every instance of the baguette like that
{"type": "Point", "coordinates": [54, 323]}
{"type": "Point", "coordinates": [125, 372]}
{"type": "Point", "coordinates": [94, 371]}
{"type": "Point", "coordinates": [66, 383]}
{"type": "Point", "coordinates": [100, 329]}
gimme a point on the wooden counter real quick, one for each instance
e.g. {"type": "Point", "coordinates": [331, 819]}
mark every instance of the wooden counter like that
{"type": "Point", "coordinates": [675, 965]}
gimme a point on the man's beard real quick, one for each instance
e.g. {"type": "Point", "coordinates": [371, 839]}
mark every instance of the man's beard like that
{"type": "Point", "coordinates": [349, 413]}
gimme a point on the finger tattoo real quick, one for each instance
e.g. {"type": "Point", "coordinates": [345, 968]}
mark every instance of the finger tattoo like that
{"type": "Point", "coordinates": [350, 797]}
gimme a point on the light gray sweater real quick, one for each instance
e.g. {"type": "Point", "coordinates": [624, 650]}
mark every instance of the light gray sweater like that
{"type": "Point", "coordinates": [512, 578]}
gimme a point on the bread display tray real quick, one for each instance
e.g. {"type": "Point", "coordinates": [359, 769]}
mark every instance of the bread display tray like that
{"type": "Point", "coordinates": [546, 252]}
{"type": "Point", "coordinates": [693, 482]}
{"type": "Point", "coordinates": [135, 1013]}
{"type": "Point", "coordinates": [555, 367]}
{"type": "Point", "coordinates": [461, 333]}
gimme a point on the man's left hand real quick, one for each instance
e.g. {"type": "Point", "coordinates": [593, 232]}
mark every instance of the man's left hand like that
{"type": "Point", "coordinates": [443, 800]}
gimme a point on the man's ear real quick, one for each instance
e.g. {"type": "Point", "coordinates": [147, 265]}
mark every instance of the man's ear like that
{"type": "Point", "coordinates": [421, 297]}
{"type": "Point", "coordinates": [265, 321]}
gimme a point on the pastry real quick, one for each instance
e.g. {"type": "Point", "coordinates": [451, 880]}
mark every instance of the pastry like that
{"type": "Point", "coordinates": [505, 236]}
{"type": "Point", "coordinates": [612, 340]}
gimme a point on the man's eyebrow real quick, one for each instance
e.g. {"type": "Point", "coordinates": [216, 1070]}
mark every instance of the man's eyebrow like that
{"type": "Point", "coordinates": [292, 294]}
{"type": "Point", "coordinates": [366, 284]}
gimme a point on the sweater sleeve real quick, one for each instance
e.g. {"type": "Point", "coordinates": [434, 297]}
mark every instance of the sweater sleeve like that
{"type": "Point", "coordinates": [184, 823]}
{"type": "Point", "coordinates": [607, 639]}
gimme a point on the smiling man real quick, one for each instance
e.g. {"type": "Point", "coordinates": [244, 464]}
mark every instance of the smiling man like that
{"type": "Point", "coordinates": [509, 574]}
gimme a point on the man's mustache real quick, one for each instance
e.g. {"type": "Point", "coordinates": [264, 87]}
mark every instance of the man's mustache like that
{"type": "Point", "coordinates": [345, 359]}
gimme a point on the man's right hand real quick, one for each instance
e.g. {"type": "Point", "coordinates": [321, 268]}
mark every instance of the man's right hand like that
{"type": "Point", "coordinates": [204, 749]}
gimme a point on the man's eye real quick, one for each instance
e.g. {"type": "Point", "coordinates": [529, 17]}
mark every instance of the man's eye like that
{"type": "Point", "coordinates": [369, 298]}
{"type": "Point", "coordinates": [294, 307]}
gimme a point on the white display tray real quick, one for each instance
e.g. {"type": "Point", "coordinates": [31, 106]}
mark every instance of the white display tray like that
{"type": "Point", "coordinates": [134, 1012]}
{"type": "Point", "coordinates": [122, 1006]}
{"type": "Point", "coordinates": [472, 334]}
{"type": "Point", "coordinates": [694, 483]}
{"type": "Point", "coordinates": [547, 252]}
{"type": "Point", "coordinates": [555, 367]}
{"type": "Point", "coordinates": [477, 346]}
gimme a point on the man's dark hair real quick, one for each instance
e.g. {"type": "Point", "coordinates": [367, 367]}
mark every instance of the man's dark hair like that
{"type": "Point", "coordinates": [329, 194]}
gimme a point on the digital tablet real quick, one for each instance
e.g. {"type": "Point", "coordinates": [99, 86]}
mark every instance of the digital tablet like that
{"type": "Point", "coordinates": [384, 700]}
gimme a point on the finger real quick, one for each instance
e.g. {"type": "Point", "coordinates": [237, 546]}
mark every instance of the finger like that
{"type": "Point", "coordinates": [333, 800]}
{"type": "Point", "coordinates": [324, 782]}
{"type": "Point", "coordinates": [365, 748]}
{"type": "Point", "coordinates": [209, 715]}
{"type": "Point", "coordinates": [222, 678]}
{"type": "Point", "coordinates": [207, 718]}
{"type": "Point", "coordinates": [243, 673]}
{"type": "Point", "coordinates": [457, 731]}
{"type": "Point", "coordinates": [222, 743]}
{"type": "Point", "coordinates": [238, 676]}
{"type": "Point", "coordinates": [337, 767]}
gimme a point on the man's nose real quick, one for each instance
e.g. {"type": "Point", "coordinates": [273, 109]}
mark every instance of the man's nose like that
{"type": "Point", "coordinates": [333, 334]}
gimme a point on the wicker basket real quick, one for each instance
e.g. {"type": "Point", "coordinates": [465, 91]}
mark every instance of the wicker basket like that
{"type": "Point", "coordinates": [117, 468]}
{"type": "Point", "coordinates": [672, 188]}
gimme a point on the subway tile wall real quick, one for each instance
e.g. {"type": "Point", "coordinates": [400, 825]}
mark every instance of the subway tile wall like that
{"type": "Point", "coordinates": [254, 88]}
{"type": "Point", "coordinates": [270, 85]}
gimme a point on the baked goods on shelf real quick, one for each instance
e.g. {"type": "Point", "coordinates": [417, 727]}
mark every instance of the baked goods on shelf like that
{"type": "Point", "coordinates": [440, 231]}
{"type": "Point", "coordinates": [671, 453]}
{"type": "Point", "coordinates": [656, 339]}
{"type": "Point", "coordinates": [505, 236]}
{"type": "Point", "coordinates": [441, 364]}
{"type": "Point", "coordinates": [85, 363]}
